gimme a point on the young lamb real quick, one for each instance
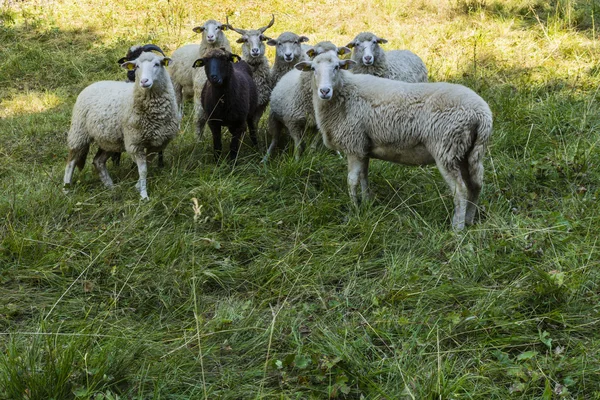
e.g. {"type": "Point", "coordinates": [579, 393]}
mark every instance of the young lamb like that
{"type": "Point", "coordinates": [409, 123]}
{"type": "Point", "coordinates": [229, 97]}
{"type": "Point", "coordinates": [134, 52]}
{"type": "Point", "coordinates": [253, 52]}
{"type": "Point", "coordinates": [292, 106]}
{"type": "Point", "coordinates": [181, 69]}
{"type": "Point", "coordinates": [141, 118]}
{"type": "Point", "coordinates": [288, 51]}
{"type": "Point", "coordinates": [399, 65]}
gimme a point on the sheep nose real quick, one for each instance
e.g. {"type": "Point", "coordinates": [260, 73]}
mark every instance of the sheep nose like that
{"type": "Point", "coordinates": [368, 58]}
{"type": "Point", "coordinates": [254, 52]}
{"type": "Point", "coordinates": [325, 91]}
{"type": "Point", "coordinates": [144, 82]}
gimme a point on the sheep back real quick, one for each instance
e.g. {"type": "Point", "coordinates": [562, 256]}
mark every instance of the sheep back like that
{"type": "Point", "coordinates": [291, 99]}
{"type": "Point", "coordinates": [405, 66]}
{"type": "Point", "coordinates": [180, 68]}
{"type": "Point", "coordinates": [370, 113]}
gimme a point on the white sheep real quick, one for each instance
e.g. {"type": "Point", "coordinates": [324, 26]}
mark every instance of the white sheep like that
{"type": "Point", "coordinates": [409, 123]}
{"type": "Point", "coordinates": [139, 118]}
{"type": "Point", "coordinates": [399, 65]}
{"type": "Point", "coordinates": [292, 106]}
{"type": "Point", "coordinates": [181, 69]}
{"type": "Point", "coordinates": [288, 51]}
{"type": "Point", "coordinates": [253, 52]}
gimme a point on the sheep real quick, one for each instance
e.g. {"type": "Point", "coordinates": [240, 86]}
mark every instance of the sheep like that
{"type": "Point", "coordinates": [409, 123]}
{"type": "Point", "coordinates": [229, 97]}
{"type": "Point", "coordinates": [292, 106]}
{"type": "Point", "coordinates": [400, 65]}
{"type": "Point", "coordinates": [181, 69]}
{"type": "Point", "coordinates": [134, 52]}
{"type": "Point", "coordinates": [253, 52]}
{"type": "Point", "coordinates": [288, 51]}
{"type": "Point", "coordinates": [141, 118]}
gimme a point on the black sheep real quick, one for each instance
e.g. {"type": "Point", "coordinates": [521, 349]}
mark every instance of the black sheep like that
{"type": "Point", "coordinates": [132, 54]}
{"type": "Point", "coordinates": [229, 98]}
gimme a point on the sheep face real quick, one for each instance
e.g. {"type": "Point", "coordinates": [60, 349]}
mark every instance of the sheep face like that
{"type": "Point", "coordinates": [326, 68]}
{"type": "Point", "coordinates": [288, 46]}
{"type": "Point", "coordinates": [134, 52]}
{"type": "Point", "coordinates": [253, 44]}
{"type": "Point", "coordinates": [217, 65]}
{"type": "Point", "coordinates": [148, 67]}
{"type": "Point", "coordinates": [212, 31]}
{"type": "Point", "coordinates": [366, 48]}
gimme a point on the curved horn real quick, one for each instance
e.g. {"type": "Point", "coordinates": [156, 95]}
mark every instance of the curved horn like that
{"type": "Point", "coordinates": [152, 47]}
{"type": "Point", "coordinates": [240, 31]}
{"type": "Point", "coordinates": [263, 29]}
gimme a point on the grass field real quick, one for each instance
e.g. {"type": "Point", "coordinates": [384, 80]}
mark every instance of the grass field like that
{"type": "Point", "coordinates": [262, 281]}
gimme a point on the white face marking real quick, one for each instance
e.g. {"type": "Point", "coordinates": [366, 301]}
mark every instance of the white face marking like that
{"type": "Point", "coordinates": [367, 48]}
{"type": "Point", "coordinates": [148, 71]}
{"type": "Point", "coordinates": [211, 31]}
{"type": "Point", "coordinates": [326, 71]}
{"type": "Point", "coordinates": [289, 50]}
{"type": "Point", "coordinates": [254, 45]}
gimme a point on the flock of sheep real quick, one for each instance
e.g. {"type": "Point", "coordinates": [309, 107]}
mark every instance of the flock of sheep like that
{"type": "Point", "coordinates": [377, 104]}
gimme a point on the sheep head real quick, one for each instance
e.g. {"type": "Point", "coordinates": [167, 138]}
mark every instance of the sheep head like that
{"type": "Point", "coordinates": [212, 31]}
{"type": "Point", "coordinates": [147, 68]}
{"type": "Point", "coordinates": [252, 40]}
{"type": "Point", "coordinates": [288, 46]}
{"type": "Point", "coordinates": [366, 47]}
{"type": "Point", "coordinates": [326, 68]}
{"type": "Point", "coordinates": [217, 65]}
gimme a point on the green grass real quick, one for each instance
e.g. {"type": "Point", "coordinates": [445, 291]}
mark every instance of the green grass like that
{"type": "Point", "coordinates": [262, 281]}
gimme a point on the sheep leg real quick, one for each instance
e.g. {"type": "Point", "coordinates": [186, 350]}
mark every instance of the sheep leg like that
{"type": "Point", "coordinates": [252, 129]}
{"type": "Point", "coordinates": [100, 164]}
{"type": "Point", "coordinates": [76, 158]}
{"type": "Point", "coordinates": [178, 97]}
{"type": "Point", "coordinates": [236, 136]}
{"type": "Point", "coordinates": [475, 184]}
{"type": "Point", "coordinates": [140, 160]}
{"type": "Point", "coordinates": [200, 119]}
{"type": "Point", "coordinates": [454, 179]}
{"type": "Point", "coordinates": [217, 144]}
{"type": "Point", "coordinates": [275, 128]}
{"type": "Point", "coordinates": [297, 133]}
{"type": "Point", "coordinates": [358, 171]}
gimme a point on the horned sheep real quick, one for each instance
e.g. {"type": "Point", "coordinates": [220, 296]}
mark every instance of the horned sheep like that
{"type": "Point", "coordinates": [409, 123]}
{"type": "Point", "coordinates": [253, 52]}
{"type": "Point", "coordinates": [141, 118]}
{"type": "Point", "coordinates": [229, 98]}
{"type": "Point", "coordinates": [370, 58]}
{"type": "Point", "coordinates": [291, 103]}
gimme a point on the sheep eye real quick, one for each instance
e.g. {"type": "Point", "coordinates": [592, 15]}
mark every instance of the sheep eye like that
{"type": "Point", "coordinates": [295, 42]}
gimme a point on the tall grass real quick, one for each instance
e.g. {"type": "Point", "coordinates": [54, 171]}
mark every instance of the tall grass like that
{"type": "Point", "coordinates": [261, 280]}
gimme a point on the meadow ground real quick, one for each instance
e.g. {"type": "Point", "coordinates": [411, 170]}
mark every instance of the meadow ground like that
{"type": "Point", "coordinates": [261, 281]}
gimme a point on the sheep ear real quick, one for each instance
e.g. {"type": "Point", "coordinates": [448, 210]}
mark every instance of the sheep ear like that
{"type": "Point", "coordinates": [263, 38]}
{"type": "Point", "coordinates": [351, 45]}
{"type": "Point", "coordinates": [311, 53]}
{"type": "Point", "coordinates": [128, 65]}
{"type": "Point", "coordinates": [343, 50]}
{"type": "Point", "coordinates": [122, 60]}
{"type": "Point", "coordinates": [198, 63]}
{"type": "Point", "coordinates": [347, 64]}
{"type": "Point", "coordinates": [381, 40]}
{"type": "Point", "coordinates": [272, 42]}
{"type": "Point", "coordinates": [303, 66]}
{"type": "Point", "coordinates": [198, 29]}
{"type": "Point", "coordinates": [241, 40]}
{"type": "Point", "coordinates": [224, 27]}
{"type": "Point", "coordinates": [165, 61]}
{"type": "Point", "coordinates": [303, 39]}
{"type": "Point", "coordinates": [235, 58]}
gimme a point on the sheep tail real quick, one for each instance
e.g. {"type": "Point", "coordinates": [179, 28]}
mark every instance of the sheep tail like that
{"type": "Point", "coordinates": [480, 133]}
